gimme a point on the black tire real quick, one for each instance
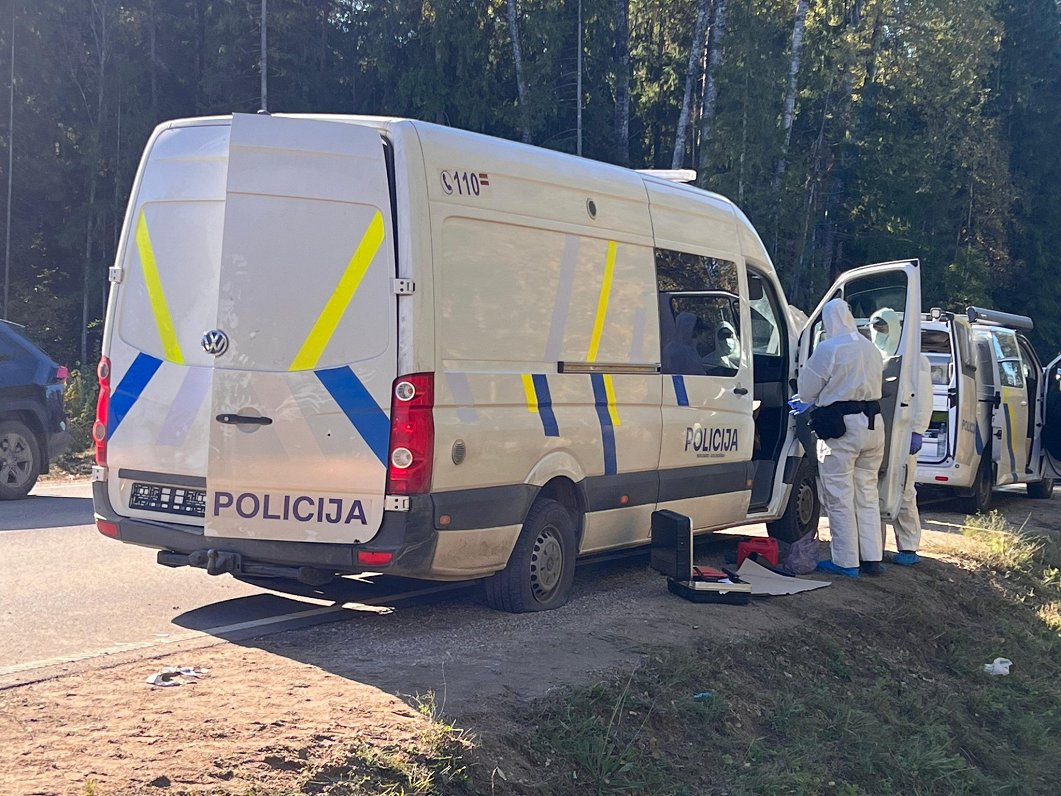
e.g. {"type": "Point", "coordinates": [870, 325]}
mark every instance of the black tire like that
{"type": "Point", "coordinates": [804, 507]}
{"type": "Point", "coordinates": [1041, 490]}
{"type": "Point", "coordinates": [20, 460]}
{"type": "Point", "coordinates": [979, 502]}
{"type": "Point", "coordinates": [541, 568]}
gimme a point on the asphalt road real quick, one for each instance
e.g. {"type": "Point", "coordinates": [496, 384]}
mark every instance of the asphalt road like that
{"type": "Point", "coordinates": [68, 593]}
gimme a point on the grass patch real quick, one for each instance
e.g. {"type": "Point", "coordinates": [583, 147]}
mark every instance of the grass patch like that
{"type": "Point", "coordinates": [889, 702]}
{"type": "Point", "coordinates": [431, 761]}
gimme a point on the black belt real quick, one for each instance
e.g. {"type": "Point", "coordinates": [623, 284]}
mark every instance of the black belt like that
{"type": "Point", "coordinates": [868, 408]}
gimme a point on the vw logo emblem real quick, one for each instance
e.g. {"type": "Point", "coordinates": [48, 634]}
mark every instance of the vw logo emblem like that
{"type": "Point", "coordinates": [215, 342]}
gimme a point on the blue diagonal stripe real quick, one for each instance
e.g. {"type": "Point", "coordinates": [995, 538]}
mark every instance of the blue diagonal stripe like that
{"type": "Point", "coordinates": [129, 389]}
{"type": "Point", "coordinates": [679, 390]}
{"type": "Point", "coordinates": [360, 408]}
{"type": "Point", "coordinates": [600, 399]}
{"type": "Point", "coordinates": [545, 404]}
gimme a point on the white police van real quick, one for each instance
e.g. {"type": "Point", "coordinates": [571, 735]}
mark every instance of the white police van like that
{"type": "Point", "coordinates": [996, 412]}
{"type": "Point", "coordinates": [346, 344]}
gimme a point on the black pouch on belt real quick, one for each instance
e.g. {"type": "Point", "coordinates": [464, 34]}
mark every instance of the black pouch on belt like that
{"type": "Point", "coordinates": [827, 422]}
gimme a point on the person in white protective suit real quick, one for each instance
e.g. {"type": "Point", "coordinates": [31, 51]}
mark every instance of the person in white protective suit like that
{"type": "Point", "coordinates": [843, 379]}
{"type": "Point", "coordinates": [907, 523]}
{"type": "Point", "coordinates": [885, 331]}
{"type": "Point", "coordinates": [726, 355]}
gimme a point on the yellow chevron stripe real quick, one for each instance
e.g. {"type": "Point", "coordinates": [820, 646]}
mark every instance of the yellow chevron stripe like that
{"type": "Point", "coordinates": [322, 331]}
{"type": "Point", "coordinates": [532, 395]}
{"type": "Point", "coordinates": [602, 303]}
{"type": "Point", "coordinates": [609, 392]}
{"type": "Point", "coordinates": [170, 347]}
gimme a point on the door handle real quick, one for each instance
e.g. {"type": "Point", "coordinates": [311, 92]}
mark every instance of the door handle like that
{"type": "Point", "coordinates": [249, 420]}
{"type": "Point", "coordinates": [740, 390]}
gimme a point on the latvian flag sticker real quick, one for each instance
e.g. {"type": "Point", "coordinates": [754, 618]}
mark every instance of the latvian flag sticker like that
{"type": "Point", "coordinates": [484, 178]}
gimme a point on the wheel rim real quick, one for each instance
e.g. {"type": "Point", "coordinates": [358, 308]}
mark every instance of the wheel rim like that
{"type": "Point", "coordinates": [547, 563]}
{"type": "Point", "coordinates": [805, 504]}
{"type": "Point", "coordinates": [16, 460]}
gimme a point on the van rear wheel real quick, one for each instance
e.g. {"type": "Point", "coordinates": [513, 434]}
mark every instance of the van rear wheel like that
{"type": "Point", "coordinates": [541, 568]}
{"type": "Point", "coordinates": [980, 500]}
{"type": "Point", "coordinates": [20, 460]}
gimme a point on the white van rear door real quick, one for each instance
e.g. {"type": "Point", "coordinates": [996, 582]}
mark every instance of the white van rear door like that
{"type": "Point", "coordinates": [897, 286]}
{"type": "Point", "coordinates": [305, 343]}
{"type": "Point", "coordinates": [1051, 431]}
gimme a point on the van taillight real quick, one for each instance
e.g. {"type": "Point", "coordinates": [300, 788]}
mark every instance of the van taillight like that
{"type": "Point", "coordinates": [99, 428]}
{"type": "Point", "coordinates": [412, 444]}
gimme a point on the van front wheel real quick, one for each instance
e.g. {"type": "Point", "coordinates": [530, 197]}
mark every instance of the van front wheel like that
{"type": "Point", "coordinates": [803, 510]}
{"type": "Point", "coordinates": [541, 567]}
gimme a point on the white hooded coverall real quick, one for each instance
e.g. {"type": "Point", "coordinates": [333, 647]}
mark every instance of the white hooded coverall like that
{"type": "Point", "coordinates": [908, 522]}
{"type": "Point", "coordinates": [846, 366]}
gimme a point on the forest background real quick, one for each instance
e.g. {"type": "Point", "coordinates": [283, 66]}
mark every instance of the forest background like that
{"type": "Point", "coordinates": [850, 131]}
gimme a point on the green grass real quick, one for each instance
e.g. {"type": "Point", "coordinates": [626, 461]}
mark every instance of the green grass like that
{"type": "Point", "coordinates": [890, 703]}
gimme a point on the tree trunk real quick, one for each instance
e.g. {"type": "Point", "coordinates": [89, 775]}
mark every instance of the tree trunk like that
{"type": "Point", "coordinates": [714, 61]}
{"type": "Point", "coordinates": [696, 51]}
{"type": "Point", "coordinates": [100, 15]}
{"type": "Point", "coordinates": [789, 109]}
{"type": "Point", "coordinates": [152, 22]}
{"type": "Point", "coordinates": [622, 80]}
{"type": "Point", "coordinates": [521, 83]}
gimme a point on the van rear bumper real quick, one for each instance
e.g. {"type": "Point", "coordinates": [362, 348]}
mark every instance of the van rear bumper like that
{"type": "Point", "coordinates": [481, 529]}
{"type": "Point", "coordinates": [408, 535]}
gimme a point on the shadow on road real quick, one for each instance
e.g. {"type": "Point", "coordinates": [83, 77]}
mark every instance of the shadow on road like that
{"type": "Point", "coordinates": [38, 512]}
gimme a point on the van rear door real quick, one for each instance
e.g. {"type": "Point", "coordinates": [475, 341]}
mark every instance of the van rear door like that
{"type": "Point", "coordinates": [304, 347]}
{"type": "Point", "coordinates": [897, 286]}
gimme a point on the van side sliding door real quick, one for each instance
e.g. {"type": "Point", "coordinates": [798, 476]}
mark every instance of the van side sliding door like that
{"type": "Point", "coordinates": [1051, 432]}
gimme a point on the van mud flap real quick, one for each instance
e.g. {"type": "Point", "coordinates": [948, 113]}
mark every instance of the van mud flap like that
{"type": "Point", "coordinates": [220, 562]}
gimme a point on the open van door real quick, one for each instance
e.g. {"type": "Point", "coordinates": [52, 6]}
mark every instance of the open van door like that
{"type": "Point", "coordinates": [304, 353]}
{"type": "Point", "coordinates": [1051, 432]}
{"type": "Point", "coordinates": [895, 286]}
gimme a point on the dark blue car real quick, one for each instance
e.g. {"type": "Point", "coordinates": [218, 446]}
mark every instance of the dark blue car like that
{"type": "Point", "coordinates": [32, 418]}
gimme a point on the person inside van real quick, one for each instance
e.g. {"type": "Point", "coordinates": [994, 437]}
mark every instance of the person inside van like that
{"type": "Point", "coordinates": [726, 355]}
{"type": "Point", "coordinates": [680, 354]}
{"type": "Point", "coordinates": [885, 330]}
{"type": "Point", "coordinates": [843, 378]}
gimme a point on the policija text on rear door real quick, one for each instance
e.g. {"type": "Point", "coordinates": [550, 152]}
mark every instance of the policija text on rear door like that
{"type": "Point", "coordinates": [869, 291]}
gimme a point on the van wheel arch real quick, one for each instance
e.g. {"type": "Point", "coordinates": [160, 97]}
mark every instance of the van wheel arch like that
{"type": "Point", "coordinates": [571, 496]}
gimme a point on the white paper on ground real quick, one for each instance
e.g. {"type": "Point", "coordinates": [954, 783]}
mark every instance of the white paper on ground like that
{"type": "Point", "coordinates": [765, 582]}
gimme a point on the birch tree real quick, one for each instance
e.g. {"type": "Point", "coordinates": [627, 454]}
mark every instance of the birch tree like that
{"type": "Point", "coordinates": [714, 63]}
{"type": "Point", "coordinates": [622, 80]}
{"type": "Point", "coordinates": [696, 54]}
{"type": "Point", "coordinates": [788, 111]}
{"type": "Point", "coordinates": [521, 82]}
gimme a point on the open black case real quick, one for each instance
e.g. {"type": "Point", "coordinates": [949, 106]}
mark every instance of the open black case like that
{"type": "Point", "coordinates": [672, 555]}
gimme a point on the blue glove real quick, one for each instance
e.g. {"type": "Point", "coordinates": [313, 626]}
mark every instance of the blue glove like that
{"type": "Point", "coordinates": [799, 407]}
{"type": "Point", "coordinates": [915, 443]}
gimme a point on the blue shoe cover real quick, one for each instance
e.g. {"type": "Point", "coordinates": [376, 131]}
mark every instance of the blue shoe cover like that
{"type": "Point", "coordinates": [905, 558]}
{"type": "Point", "coordinates": [830, 567]}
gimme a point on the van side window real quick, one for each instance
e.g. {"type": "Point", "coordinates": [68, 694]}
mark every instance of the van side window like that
{"type": "Point", "coordinates": [700, 335]}
{"type": "Point", "coordinates": [1010, 373]}
{"type": "Point", "coordinates": [766, 328]}
{"type": "Point", "coordinates": [680, 272]}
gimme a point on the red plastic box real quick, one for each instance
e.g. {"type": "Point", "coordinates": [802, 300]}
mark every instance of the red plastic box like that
{"type": "Point", "coordinates": [767, 548]}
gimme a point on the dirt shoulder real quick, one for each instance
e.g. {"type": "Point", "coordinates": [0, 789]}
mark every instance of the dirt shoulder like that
{"type": "Point", "coordinates": [276, 712]}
